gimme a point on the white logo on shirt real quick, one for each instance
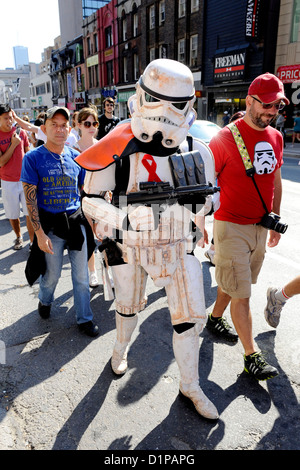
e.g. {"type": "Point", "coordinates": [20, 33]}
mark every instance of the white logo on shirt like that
{"type": "Point", "coordinates": [264, 158]}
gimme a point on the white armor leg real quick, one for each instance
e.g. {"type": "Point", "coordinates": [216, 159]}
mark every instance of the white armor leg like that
{"type": "Point", "coordinates": [125, 326]}
{"type": "Point", "coordinates": [186, 351]}
{"type": "Point", "coordinates": [186, 293]}
{"type": "Point", "coordinates": [130, 285]}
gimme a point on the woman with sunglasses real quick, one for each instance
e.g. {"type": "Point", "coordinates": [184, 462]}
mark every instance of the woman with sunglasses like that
{"type": "Point", "coordinates": [87, 127]}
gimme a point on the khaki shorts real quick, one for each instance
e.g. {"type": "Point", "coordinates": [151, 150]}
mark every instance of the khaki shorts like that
{"type": "Point", "coordinates": [240, 251]}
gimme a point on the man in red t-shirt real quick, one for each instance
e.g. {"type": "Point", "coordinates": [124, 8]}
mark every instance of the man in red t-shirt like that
{"type": "Point", "coordinates": [240, 241]}
{"type": "Point", "coordinates": [13, 146]}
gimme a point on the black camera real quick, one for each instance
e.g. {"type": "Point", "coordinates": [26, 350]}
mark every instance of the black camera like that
{"type": "Point", "coordinates": [271, 222]}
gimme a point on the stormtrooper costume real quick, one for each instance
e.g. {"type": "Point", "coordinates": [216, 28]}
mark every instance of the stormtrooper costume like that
{"type": "Point", "coordinates": [161, 115]}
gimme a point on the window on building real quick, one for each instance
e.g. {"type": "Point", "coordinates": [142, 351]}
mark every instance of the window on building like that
{"type": "Point", "coordinates": [124, 29]}
{"type": "Point", "coordinates": [152, 17]}
{"type": "Point", "coordinates": [96, 42]}
{"type": "Point", "coordinates": [48, 85]}
{"type": "Point", "coordinates": [162, 12]}
{"type": "Point", "coordinates": [135, 24]}
{"type": "Point", "coordinates": [163, 51]}
{"type": "Point", "coordinates": [109, 72]}
{"type": "Point", "coordinates": [193, 50]}
{"type": "Point", "coordinates": [295, 21]}
{"type": "Point", "coordinates": [194, 5]}
{"type": "Point", "coordinates": [91, 82]}
{"type": "Point", "coordinates": [181, 8]}
{"type": "Point", "coordinates": [125, 69]}
{"type": "Point", "coordinates": [96, 76]}
{"type": "Point", "coordinates": [41, 89]}
{"type": "Point", "coordinates": [151, 54]}
{"type": "Point", "coordinates": [89, 48]}
{"type": "Point", "coordinates": [136, 66]}
{"type": "Point", "coordinates": [181, 50]}
{"type": "Point", "coordinates": [108, 37]}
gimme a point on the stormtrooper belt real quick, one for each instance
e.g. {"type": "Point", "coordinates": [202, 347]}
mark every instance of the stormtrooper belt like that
{"type": "Point", "coordinates": [157, 255]}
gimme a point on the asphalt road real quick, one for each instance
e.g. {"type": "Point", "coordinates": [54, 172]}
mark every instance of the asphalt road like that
{"type": "Point", "coordinates": [57, 390]}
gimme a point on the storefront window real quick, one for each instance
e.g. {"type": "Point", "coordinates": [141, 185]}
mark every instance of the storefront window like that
{"type": "Point", "coordinates": [295, 21]}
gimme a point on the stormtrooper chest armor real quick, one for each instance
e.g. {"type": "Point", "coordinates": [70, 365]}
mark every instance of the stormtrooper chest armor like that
{"type": "Point", "coordinates": [174, 220]}
{"type": "Point", "coordinates": [145, 167]}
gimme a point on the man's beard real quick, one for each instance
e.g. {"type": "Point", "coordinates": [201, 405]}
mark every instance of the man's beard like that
{"type": "Point", "coordinates": [257, 119]}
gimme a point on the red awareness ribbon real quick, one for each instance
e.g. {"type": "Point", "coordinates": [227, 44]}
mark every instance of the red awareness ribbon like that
{"type": "Point", "coordinates": [150, 165]}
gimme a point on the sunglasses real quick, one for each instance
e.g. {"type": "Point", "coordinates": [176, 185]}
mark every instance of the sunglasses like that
{"type": "Point", "coordinates": [108, 103]}
{"type": "Point", "coordinates": [278, 106]}
{"type": "Point", "coordinates": [89, 124]}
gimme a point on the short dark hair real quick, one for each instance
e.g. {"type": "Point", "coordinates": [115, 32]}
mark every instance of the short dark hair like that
{"type": "Point", "coordinates": [4, 108]}
{"type": "Point", "coordinates": [108, 99]}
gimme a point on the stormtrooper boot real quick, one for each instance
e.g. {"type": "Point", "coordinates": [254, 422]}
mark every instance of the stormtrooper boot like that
{"type": "Point", "coordinates": [186, 351]}
{"type": "Point", "coordinates": [125, 327]}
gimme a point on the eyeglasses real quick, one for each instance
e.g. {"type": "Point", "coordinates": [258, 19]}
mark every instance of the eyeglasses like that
{"type": "Point", "coordinates": [108, 103]}
{"type": "Point", "coordinates": [89, 124]}
{"type": "Point", "coordinates": [278, 106]}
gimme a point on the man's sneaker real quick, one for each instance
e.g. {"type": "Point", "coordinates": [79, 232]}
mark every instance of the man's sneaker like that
{"type": "Point", "coordinates": [93, 279]}
{"type": "Point", "coordinates": [210, 254]}
{"type": "Point", "coordinates": [44, 310]}
{"type": "Point", "coordinates": [18, 243]}
{"type": "Point", "coordinates": [221, 328]}
{"type": "Point", "coordinates": [256, 366]}
{"type": "Point", "coordinates": [273, 308]}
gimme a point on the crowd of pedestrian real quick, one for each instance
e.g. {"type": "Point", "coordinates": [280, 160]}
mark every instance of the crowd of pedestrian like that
{"type": "Point", "coordinates": [38, 174]}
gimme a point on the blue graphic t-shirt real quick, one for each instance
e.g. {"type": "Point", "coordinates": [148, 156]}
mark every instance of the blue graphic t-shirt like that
{"type": "Point", "coordinates": [57, 179]}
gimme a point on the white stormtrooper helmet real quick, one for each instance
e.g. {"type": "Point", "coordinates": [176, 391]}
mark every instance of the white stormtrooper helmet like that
{"type": "Point", "coordinates": [264, 158]}
{"type": "Point", "coordinates": [163, 103]}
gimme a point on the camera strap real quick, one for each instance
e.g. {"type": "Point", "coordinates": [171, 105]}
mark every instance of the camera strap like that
{"type": "Point", "coordinates": [250, 170]}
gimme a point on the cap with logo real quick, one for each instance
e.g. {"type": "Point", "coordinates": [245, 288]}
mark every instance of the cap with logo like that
{"type": "Point", "coordinates": [268, 88]}
{"type": "Point", "coordinates": [50, 113]}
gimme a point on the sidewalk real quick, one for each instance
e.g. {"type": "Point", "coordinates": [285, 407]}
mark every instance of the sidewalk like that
{"type": "Point", "coordinates": [292, 150]}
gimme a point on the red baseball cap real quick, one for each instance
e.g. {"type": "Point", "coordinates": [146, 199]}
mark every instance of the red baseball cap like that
{"type": "Point", "coordinates": [268, 88]}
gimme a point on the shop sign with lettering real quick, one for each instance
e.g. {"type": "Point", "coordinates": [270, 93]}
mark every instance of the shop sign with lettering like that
{"type": "Point", "coordinates": [289, 73]}
{"type": "Point", "coordinates": [230, 66]}
{"type": "Point", "coordinates": [252, 15]}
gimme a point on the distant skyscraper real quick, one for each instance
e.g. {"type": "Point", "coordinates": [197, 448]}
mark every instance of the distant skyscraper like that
{"type": "Point", "coordinates": [20, 56]}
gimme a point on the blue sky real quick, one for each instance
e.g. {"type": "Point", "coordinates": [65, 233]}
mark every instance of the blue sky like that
{"type": "Point", "coordinates": [30, 23]}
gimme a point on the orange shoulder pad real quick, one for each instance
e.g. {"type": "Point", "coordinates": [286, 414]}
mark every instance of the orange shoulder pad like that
{"type": "Point", "coordinates": [108, 150]}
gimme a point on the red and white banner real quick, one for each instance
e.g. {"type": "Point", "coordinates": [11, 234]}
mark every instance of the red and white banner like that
{"type": "Point", "coordinates": [289, 73]}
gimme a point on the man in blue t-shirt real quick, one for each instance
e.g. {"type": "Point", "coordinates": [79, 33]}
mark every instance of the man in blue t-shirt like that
{"type": "Point", "coordinates": [52, 181]}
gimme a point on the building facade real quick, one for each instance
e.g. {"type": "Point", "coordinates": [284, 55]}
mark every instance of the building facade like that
{"type": "Point", "coordinates": [288, 55]}
{"type": "Point", "coordinates": [15, 89]}
{"type": "Point", "coordinates": [67, 75]}
{"type": "Point", "coordinates": [108, 49]}
{"type": "Point", "coordinates": [131, 63]}
{"type": "Point", "coordinates": [225, 43]}
{"type": "Point", "coordinates": [239, 43]}
{"type": "Point", "coordinates": [92, 92]}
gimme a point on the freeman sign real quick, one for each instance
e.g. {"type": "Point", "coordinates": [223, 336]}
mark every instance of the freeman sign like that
{"type": "Point", "coordinates": [230, 66]}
